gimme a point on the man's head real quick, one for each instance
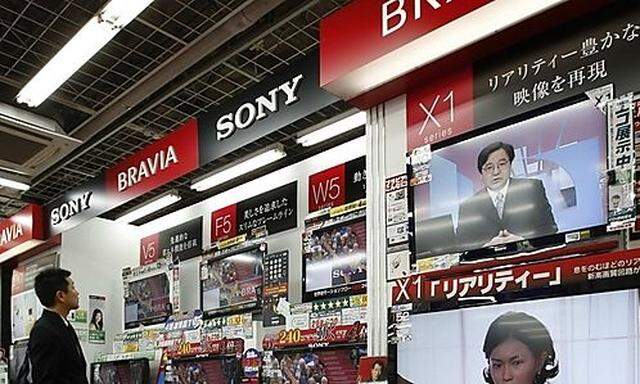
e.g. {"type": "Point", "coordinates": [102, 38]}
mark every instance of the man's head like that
{"type": "Point", "coordinates": [615, 201]}
{"type": "Point", "coordinates": [494, 164]}
{"type": "Point", "coordinates": [55, 288]}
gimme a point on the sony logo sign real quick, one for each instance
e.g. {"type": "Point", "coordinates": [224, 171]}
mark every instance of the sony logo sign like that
{"type": "Point", "coordinates": [148, 167]}
{"type": "Point", "coordinates": [70, 208]}
{"type": "Point", "coordinates": [248, 113]}
{"type": "Point", "coordinates": [394, 14]}
{"type": "Point", "coordinates": [11, 233]}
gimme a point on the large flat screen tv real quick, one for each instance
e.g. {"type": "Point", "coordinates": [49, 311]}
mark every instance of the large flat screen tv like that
{"type": "Point", "coordinates": [588, 339]}
{"type": "Point", "coordinates": [232, 281]}
{"type": "Point", "coordinates": [204, 370]}
{"type": "Point", "coordinates": [530, 180]}
{"type": "Point", "coordinates": [148, 300]}
{"type": "Point", "coordinates": [334, 366]}
{"type": "Point", "coordinates": [121, 372]}
{"type": "Point", "coordinates": [336, 263]}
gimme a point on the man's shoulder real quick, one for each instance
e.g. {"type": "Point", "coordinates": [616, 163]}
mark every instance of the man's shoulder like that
{"type": "Point", "coordinates": [44, 328]}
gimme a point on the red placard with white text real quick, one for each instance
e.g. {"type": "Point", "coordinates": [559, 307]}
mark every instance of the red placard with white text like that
{"type": "Point", "coordinates": [224, 223]}
{"type": "Point", "coordinates": [339, 185]}
{"type": "Point", "coordinates": [23, 226]}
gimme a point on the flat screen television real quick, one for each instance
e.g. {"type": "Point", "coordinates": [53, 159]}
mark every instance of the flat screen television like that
{"type": "Point", "coordinates": [333, 366]}
{"type": "Point", "coordinates": [587, 339]}
{"type": "Point", "coordinates": [227, 370]}
{"type": "Point", "coordinates": [148, 300]}
{"type": "Point", "coordinates": [135, 371]}
{"type": "Point", "coordinates": [232, 281]}
{"type": "Point", "coordinates": [530, 180]}
{"type": "Point", "coordinates": [336, 264]}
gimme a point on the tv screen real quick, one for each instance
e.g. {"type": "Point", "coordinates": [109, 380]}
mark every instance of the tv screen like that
{"type": "Point", "coordinates": [337, 257]}
{"type": "Point", "coordinates": [206, 371]}
{"type": "Point", "coordinates": [148, 301]}
{"type": "Point", "coordinates": [588, 339]}
{"type": "Point", "coordinates": [335, 366]}
{"type": "Point", "coordinates": [121, 372]}
{"type": "Point", "coordinates": [532, 179]}
{"type": "Point", "coordinates": [232, 281]}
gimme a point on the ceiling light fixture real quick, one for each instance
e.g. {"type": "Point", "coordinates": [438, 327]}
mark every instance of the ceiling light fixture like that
{"type": "Point", "coordinates": [14, 184]}
{"type": "Point", "coordinates": [148, 208]}
{"type": "Point", "coordinates": [102, 27]}
{"type": "Point", "coordinates": [267, 156]}
{"type": "Point", "coordinates": [326, 132]}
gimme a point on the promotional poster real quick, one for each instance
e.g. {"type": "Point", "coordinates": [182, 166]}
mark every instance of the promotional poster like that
{"type": "Point", "coordinates": [97, 310]}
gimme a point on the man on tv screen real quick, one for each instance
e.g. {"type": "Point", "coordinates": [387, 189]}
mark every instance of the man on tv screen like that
{"type": "Point", "coordinates": [507, 209]}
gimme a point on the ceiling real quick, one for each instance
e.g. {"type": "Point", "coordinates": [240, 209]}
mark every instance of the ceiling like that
{"type": "Point", "coordinates": [112, 103]}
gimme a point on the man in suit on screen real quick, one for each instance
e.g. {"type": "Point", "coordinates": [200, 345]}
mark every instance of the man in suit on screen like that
{"type": "Point", "coordinates": [507, 209]}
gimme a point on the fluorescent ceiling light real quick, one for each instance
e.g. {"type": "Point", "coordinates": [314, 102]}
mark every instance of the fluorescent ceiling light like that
{"type": "Point", "coordinates": [13, 184]}
{"type": "Point", "coordinates": [150, 207]}
{"type": "Point", "coordinates": [332, 130]}
{"type": "Point", "coordinates": [102, 27]}
{"type": "Point", "coordinates": [259, 160]}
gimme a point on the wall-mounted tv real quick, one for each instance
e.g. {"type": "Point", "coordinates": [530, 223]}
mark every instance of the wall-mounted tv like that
{"type": "Point", "coordinates": [335, 262]}
{"type": "Point", "coordinates": [121, 372]}
{"type": "Point", "coordinates": [148, 300]}
{"type": "Point", "coordinates": [530, 180]}
{"type": "Point", "coordinates": [232, 281]}
{"type": "Point", "coordinates": [204, 370]}
{"type": "Point", "coordinates": [333, 366]}
{"type": "Point", "coordinates": [588, 339]}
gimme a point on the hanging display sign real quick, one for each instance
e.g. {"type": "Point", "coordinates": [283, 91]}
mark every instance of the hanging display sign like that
{"type": "Point", "coordinates": [271, 212]}
{"type": "Point", "coordinates": [275, 287]}
{"type": "Point", "coordinates": [24, 226]}
{"type": "Point", "coordinates": [586, 57]}
{"type": "Point", "coordinates": [323, 336]}
{"type": "Point", "coordinates": [585, 274]}
{"type": "Point", "coordinates": [621, 138]}
{"type": "Point", "coordinates": [156, 164]}
{"type": "Point", "coordinates": [229, 327]}
{"type": "Point", "coordinates": [339, 185]}
{"type": "Point", "coordinates": [269, 106]}
{"type": "Point", "coordinates": [181, 242]}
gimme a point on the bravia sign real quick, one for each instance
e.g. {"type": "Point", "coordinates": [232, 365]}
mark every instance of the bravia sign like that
{"type": "Point", "coordinates": [269, 106]}
{"type": "Point", "coordinates": [23, 226]}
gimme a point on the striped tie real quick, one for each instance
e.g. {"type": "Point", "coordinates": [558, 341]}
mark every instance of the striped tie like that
{"type": "Point", "coordinates": [500, 204]}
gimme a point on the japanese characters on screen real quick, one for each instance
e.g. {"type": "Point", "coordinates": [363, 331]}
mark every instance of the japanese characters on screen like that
{"type": "Point", "coordinates": [233, 281]}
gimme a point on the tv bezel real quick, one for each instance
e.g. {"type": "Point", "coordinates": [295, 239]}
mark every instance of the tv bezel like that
{"type": "Point", "coordinates": [237, 308]}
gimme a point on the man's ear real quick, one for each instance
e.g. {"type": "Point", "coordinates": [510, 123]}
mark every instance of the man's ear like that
{"type": "Point", "coordinates": [59, 295]}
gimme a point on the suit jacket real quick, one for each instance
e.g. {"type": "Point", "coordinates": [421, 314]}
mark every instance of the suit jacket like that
{"type": "Point", "coordinates": [55, 352]}
{"type": "Point", "coordinates": [526, 213]}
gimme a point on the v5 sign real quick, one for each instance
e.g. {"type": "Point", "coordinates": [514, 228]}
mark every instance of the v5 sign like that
{"type": "Point", "coordinates": [342, 184]}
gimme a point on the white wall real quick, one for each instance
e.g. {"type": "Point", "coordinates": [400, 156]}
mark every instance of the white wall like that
{"type": "Point", "coordinates": [95, 253]}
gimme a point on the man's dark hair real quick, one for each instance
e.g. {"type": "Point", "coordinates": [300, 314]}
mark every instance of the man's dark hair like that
{"type": "Point", "coordinates": [489, 149]}
{"type": "Point", "coordinates": [529, 331]}
{"type": "Point", "coordinates": [49, 282]}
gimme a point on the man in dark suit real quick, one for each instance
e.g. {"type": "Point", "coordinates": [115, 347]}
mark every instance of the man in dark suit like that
{"type": "Point", "coordinates": [55, 353]}
{"type": "Point", "coordinates": [507, 209]}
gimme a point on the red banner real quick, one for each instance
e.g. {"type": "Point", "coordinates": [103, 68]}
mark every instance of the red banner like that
{"type": "Point", "coordinates": [165, 160]}
{"type": "Point", "coordinates": [327, 188]}
{"type": "Point", "coordinates": [322, 336]}
{"type": "Point", "coordinates": [565, 273]}
{"type": "Point", "coordinates": [23, 226]}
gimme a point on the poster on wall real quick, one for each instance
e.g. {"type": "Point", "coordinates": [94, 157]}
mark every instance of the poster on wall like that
{"type": "Point", "coordinates": [98, 319]}
{"type": "Point", "coordinates": [78, 320]}
{"type": "Point", "coordinates": [181, 242]}
{"type": "Point", "coordinates": [339, 185]}
{"type": "Point", "coordinates": [373, 369]}
{"type": "Point", "coordinates": [268, 213]}
{"type": "Point", "coordinates": [276, 287]}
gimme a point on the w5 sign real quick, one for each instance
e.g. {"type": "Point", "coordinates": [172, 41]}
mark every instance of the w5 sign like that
{"type": "Point", "coordinates": [342, 184]}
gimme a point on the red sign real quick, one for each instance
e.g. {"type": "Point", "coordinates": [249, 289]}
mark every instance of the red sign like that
{"type": "Point", "coordinates": [321, 336]}
{"type": "Point", "coordinates": [366, 30]}
{"type": "Point", "coordinates": [577, 271]}
{"type": "Point", "coordinates": [149, 249]}
{"type": "Point", "coordinates": [441, 109]}
{"type": "Point", "coordinates": [224, 223]}
{"type": "Point", "coordinates": [165, 160]}
{"type": "Point", "coordinates": [327, 188]}
{"type": "Point", "coordinates": [23, 226]}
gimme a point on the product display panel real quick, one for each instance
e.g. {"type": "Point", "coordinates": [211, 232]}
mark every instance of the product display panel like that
{"type": "Point", "coordinates": [338, 256]}
{"type": "Point", "coordinates": [120, 372]}
{"type": "Point", "coordinates": [335, 366]}
{"type": "Point", "coordinates": [148, 300]}
{"type": "Point", "coordinates": [540, 177]}
{"type": "Point", "coordinates": [231, 281]}
{"type": "Point", "coordinates": [587, 339]}
{"type": "Point", "coordinates": [206, 371]}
